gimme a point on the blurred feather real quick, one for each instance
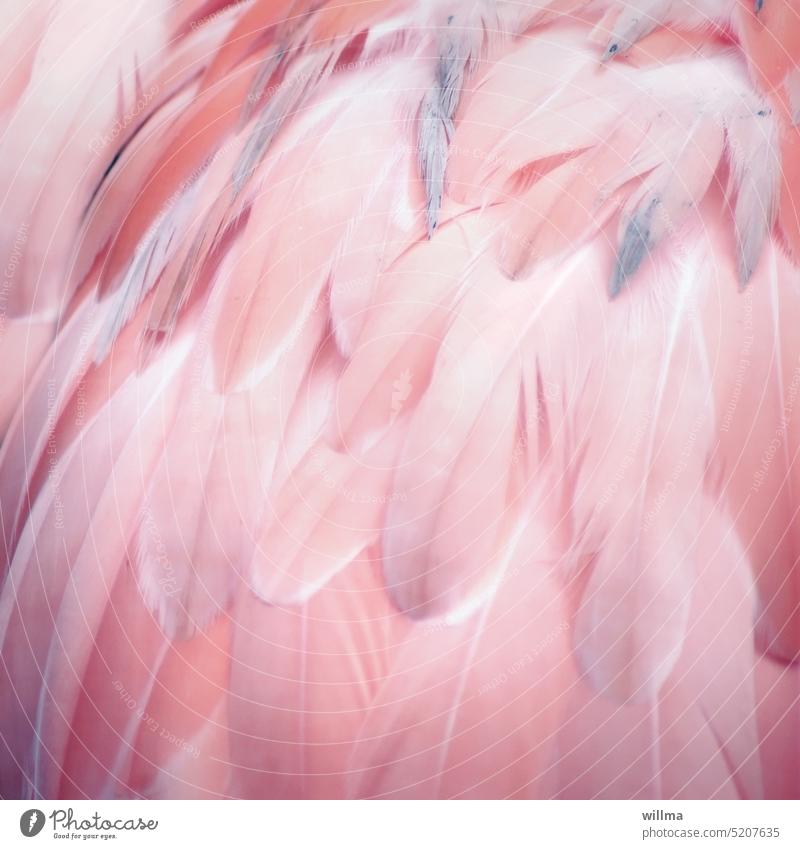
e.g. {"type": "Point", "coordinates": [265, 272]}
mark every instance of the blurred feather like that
{"type": "Point", "coordinates": [386, 414]}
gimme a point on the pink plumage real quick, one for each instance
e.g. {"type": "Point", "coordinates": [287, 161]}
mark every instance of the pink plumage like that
{"type": "Point", "coordinates": [401, 399]}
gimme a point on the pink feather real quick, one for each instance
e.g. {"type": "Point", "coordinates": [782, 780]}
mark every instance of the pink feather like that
{"type": "Point", "coordinates": [400, 400]}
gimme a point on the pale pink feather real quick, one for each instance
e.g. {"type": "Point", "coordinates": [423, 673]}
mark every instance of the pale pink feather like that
{"type": "Point", "coordinates": [400, 399]}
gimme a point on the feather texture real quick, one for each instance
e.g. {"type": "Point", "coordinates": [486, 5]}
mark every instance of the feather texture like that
{"type": "Point", "coordinates": [401, 399]}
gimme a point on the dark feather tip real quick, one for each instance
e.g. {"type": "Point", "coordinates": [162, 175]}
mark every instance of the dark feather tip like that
{"type": "Point", "coordinates": [610, 51]}
{"type": "Point", "coordinates": [631, 254]}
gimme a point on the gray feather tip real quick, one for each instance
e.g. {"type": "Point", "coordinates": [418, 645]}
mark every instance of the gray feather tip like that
{"type": "Point", "coordinates": [631, 254]}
